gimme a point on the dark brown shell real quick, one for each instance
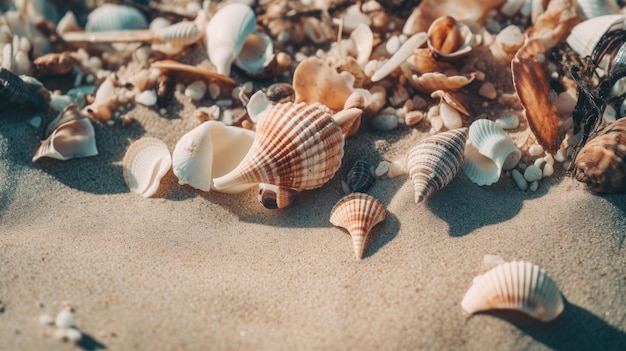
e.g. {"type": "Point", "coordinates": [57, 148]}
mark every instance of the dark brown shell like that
{"type": "Point", "coordinates": [54, 64]}
{"type": "Point", "coordinates": [15, 93]}
{"type": "Point", "coordinates": [601, 163]}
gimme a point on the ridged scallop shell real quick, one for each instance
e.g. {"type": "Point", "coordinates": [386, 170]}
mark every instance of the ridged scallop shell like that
{"type": "Point", "coordinates": [492, 152]}
{"type": "Point", "coordinates": [432, 81]}
{"type": "Point", "coordinates": [314, 81]}
{"type": "Point", "coordinates": [358, 213]}
{"type": "Point", "coordinates": [448, 39]}
{"type": "Point", "coordinates": [360, 177]}
{"type": "Point", "coordinates": [181, 33]}
{"type": "Point", "coordinates": [109, 17]}
{"type": "Point", "coordinates": [226, 34]}
{"type": "Point", "coordinates": [14, 92]}
{"type": "Point", "coordinates": [70, 135]}
{"type": "Point", "coordinates": [601, 163]}
{"type": "Point", "coordinates": [516, 285]}
{"type": "Point", "coordinates": [273, 197]}
{"type": "Point", "coordinates": [434, 161]}
{"type": "Point", "coordinates": [585, 36]}
{"type": "Point", "coordinates": [208, 151]}
{"type": "Point", "coordinates": [146, 161]}
{"type": "Point", "coordinates": [297, 146]}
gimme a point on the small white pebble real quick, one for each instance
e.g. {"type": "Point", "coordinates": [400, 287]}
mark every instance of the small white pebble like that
{"type": "Point", "coordinates": [73, 335]}
{"type": "Point", "coordinates": [60, 334]}
{"type": "Point", "coordinates": [436, 124]}
{"type": "Point", "coordinates": [111, 122]}
{"type": "Point", "coordinates": [493, 260]}
{"type": "Point", "coordinates": [540, 162]}
{"type": "Point", "coordinates": [147, 98]}
{"type": "Point", "coordinates": [345, 188]}
{"type": "Point", "coordinates": [382, 169]}
{"type": "Point", "coordinates": [163, 111]}
{"type": "Point", "coordinates": [214, 90]}
{"type": "Point", "coordinates": [224, 103]}
{"type": "Point", "coordinates": [196, 90]}
{"type": "Point", "coordinates": [450, 117]}
{"type": "Point", "coordinates": [534, 185]}
{"type": "Point", "coordinates": [549, 159]}
{"type": "Point", "coordinates": [508, 122]}
{"type": "Point", "coordinates": [560, 156]}
{"type": "Point", "coordinates": [35, 122]}
{"type": "Point", "coordinates": [532, 173]}
{"type": "Point", "coordinates": [548, 170]}
{"type": "Point", "coordinates": [519, 180]}
{"type": "Point", "coordinates": [488, 91]}
{"type": "Point", "coordinates": [392, 45]}
{"type": "Point", "coordinates": [535, 150]}
{"type": "Point", "coordinates": [45, 319]}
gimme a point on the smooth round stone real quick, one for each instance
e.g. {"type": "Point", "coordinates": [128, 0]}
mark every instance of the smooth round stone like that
{"type": "Point", "coordinates": [508, 122]}
{"type": "Point", "coordinates": [384, 122]}
{"type": "Point", "coordinates": [488, 91]}
{"type": "Point", "coordinates": [548, 170]}
{"type": "Point", "coordinates": [535, 150]}
{"type": "Point", "coordinates": [532, 173]}
{"type": "Point", "coordinates": [519, 180]}
{"type": "Point", "coordinates": [147, 98]}
{"type": "Point", "coordinates": [196, 90]}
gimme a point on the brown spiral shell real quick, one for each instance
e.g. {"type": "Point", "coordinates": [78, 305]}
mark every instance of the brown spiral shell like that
{"type": "Point", "coordinates": [601, 163]}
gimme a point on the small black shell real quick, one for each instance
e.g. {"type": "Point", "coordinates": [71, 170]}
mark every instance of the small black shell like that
{"type": "Point", "coordinates": [15, 93]}
{"type": "Point", "coordinates": [360, 177]}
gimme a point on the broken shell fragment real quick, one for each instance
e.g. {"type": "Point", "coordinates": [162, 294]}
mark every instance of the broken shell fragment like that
{"type": "Point", "coordinates": [146, 161]}
{"type": "Point", "coordinates": [448, 39]}
{"type": "Point", "coordinates": [434, 161]}
{"type": "Point", "coordinates": [400, 56]}
{"type": "Point", "coordinates": [358, 213]}
{"type": "Point", "coordinates": [360, 177]}
{"type": "Point", "coordinates": [70, 135]}
{"type": "Point", "coordinates": [297, 146]}
{"type": "Point", "coordinates": [273, 197]}
{"type": "Point", "coordinates": [314, 81]}
{"type": "Point", "coordinates": [517, 285]}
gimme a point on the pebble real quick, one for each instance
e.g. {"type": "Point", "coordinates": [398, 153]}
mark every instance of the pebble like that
{"type": "Point", "coordinates": [450, 117]}
{"type": "Point", "coordinates": [65, 318]}
{"type": "Point", "coordinates": [413, 117]}
{"type": "Point", "coordinates": [392, 45]}
{"type": "Point", "coordinates": [511, 7]}
{"type": "Point", "coordinates": [508, 122]}
{"type": "Point", "coordinates": [560, 156]}
{"type": "Point", "coordinates": [147, 98]}
{"type": "Point", "coordinates": [214, 90]}
{"type": "Point", "coordinates": [382, 169]}
{"type": "Point", "coordinates": [224, 102]}
{"type": "Point", "coordinates": [535, 150]}
{"type": "Point", "coordinates": [73, 334]}
{"type": "Point", "coordinates": [540, 162]}
{"type": "Point", "coordinates": [548, 170]}
{"type": "Point", "coordinates": [519, 180]}
{"type": "Point", "coordinates": [35, 122]}
{"type": "Point", "coordinates": [534, 185]}
{"type": "Point", "coordinates": [488, 91]}
{"type": "Point", "coordinates": [532, 173]}
{"type": "Point", "coordinates": [45, 319]}
{"type": "Point", "coordinates": [196, 90]}
{"type": "Point", "coordinates": [385, 121]}
{"type": "Point", "coordinates": [436, 124]}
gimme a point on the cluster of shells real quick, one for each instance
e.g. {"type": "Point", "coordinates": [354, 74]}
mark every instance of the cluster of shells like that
{"type": "Point", "coordinates": [284, 85]}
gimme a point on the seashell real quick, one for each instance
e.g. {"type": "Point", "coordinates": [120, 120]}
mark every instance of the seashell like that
{"type": "Point", "coordinates": [413, 117]}
{"type": "Point", "coordinates": [430, 82]}
{"type": "Point", "coordinates": [54, 64]}
{"type": "Point", "coordinates": [314, 81]}
{"type": "Point", "coordinates": [448, 39]}
{"type": "Point", "coordinates": [451, 100]}
{"type": "Point", "coordinates": [362, 39]}
{"type": "Point", "coordinates": [273, 197]}
{"type": "Point", "coordinates": [146, 161]}
{"type": "Point", "coordinates": [506, 44]}
{"type": "Point", "coordinates": [15, 93]}
{"type": "Point", "coordinates": [349, 120]}
{"type": "Point", "coordinates": [516, 285]}
{"type": "Point", "coordinates": [360, 177]}
{"type": "Point", "coordinates": [109, 17]}
{"type": "Point", "coordinates": [450, 117]}
{"type": "Point", "coordinates": [226, 34]}
{"type": "Point", "coordinates": [399, 96]}
{"type": "Point", "coordinates": [498, 149]}
{"type": "Point", "coordinates": [258, 103]}
{"type": "Point", "coordinates": [297, 146]}
{"type": "Point", "coordinates": [69, 135]}
{"type": "Point", "coordinates": [358, 213]}
{"type": "Point", "coordinates": [400, 56]}
{"type": "Point", "coordinates": [192, 73]}
{"type": "Point", "coordinates": [596, 8]}
{"type": "Point", "coordinates": [280, 92]}
{"type": "Point", "coordinates": [601, 163]}
{"type": "Point", "coordinates": [585, 36]}
{"type": "Point", "coordinates": [434, 161]}
{"type": "Point", "coordinates": [208, 151]}
{"type": "Point", "coordinates": [469, 11]}
{"type": "Point", "coordinates": [181, 34]}
{"type": "Point", "coordinates": [256, 54]}
{"type": "Point", "coordinates": [358, 99]}
{"type": "Point", "coordinates": [554, 24]}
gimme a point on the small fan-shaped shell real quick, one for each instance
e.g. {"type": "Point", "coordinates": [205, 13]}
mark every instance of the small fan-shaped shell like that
{"type": "Point", "coordinates": [360, 177]}
{"type": "Point", "coordinates": [585, 35]}
{"type": "Point", "coordinates": [601, 163]}
{"type": "Point", "coordinates": [14, 92]}
{"type": "Point", "coordinates": [314, 81]}
{"type": "Point", "coordinates": [297, 146]}
{"type": "Point", "coordinates": [434, 161]}
{"type": "Point", "coordinates": [516, 285]}
{"type": "Point", "coordinates": [109, 17]}
{"type": "Point", "coordinates": [273, 197]}
{"type": "Point", "coordinates": [358, 213]}
{"type": "Point", "coordinates": [429, 82]}
{"type": "Point", "coordinates": [146, 161]}
{"type": "Point", "coordinates": [181, 33]}
{"type": "Point", "coordinates": [448, 39]}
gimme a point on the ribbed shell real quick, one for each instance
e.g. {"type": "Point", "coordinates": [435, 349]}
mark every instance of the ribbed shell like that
{"type": "Point", "coordinates": [15, 93]}
{"type": "Point", "coordinates": [181, 33]}
{"type": "Point", "coordinates": [492, 141]}
{"type": "Point", "coordinates": [358, 213]}
{"type": "Point", "coordinates": [596, 8]}
{"type": "Point", "coordinates": [360, 177]}
{"type": "Point", "coordinates": [585, 36]}
{"type": "Point", "coordinates": [601, 163]}
{"type": "Point", "coordinates": [146, 161]}
{"type": "Point", "coordinates": [109, 17]}
{"type": "Point", "coordinates": [516, 285]}
{"type": "Point", "coordinates": [273, 197]}
{"type": "Point", "coordinates": [434, 161]}
{"type": "Point", "coordinates": [297, 146]}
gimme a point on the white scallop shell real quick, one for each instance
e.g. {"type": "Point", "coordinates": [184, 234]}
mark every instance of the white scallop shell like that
{"type": "Point", "coordinates": [226, 34]}
{"type": "Point", "coordinates": [208, 151]}
{"type": "Point", "coordinates": [516, 285]}
{"type": "Point", "coordinates": [585, 35]}
{"type": "Point", "coordinates": [491, 141]}
{"type": "Point", "coordinates": [257, 52]}
{"type": "Point", "coordinates": [146, 161]}
{"type": "Point", "coordinates": [109, 17]}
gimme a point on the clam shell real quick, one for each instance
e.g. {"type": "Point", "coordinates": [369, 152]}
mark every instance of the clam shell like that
{"type": "Point", "coordinates": [226, 34]}
{"type": "Point", "coordinates": [14, 92]}
{"type": "Point", "coordinates": [70, 135]}
{"type": "Point", "coordinates": [360, 177]}
{"type": "Point", "coordinates": [434, 161]}
{"type": "Point", "coordinates": [181, 33]}
{"type": "Point", "coordinates": [448, 39]}
{"type": "Point", "coordinates": [273, 197]}
{"type": "Point", "coordinates": [585, 36]}
{"type": "Point", "coordinates": [208, 151]}
{"type": "Point", "coordinates": [601, 163]}
{"type": "Point", "coordinates": [109, 17]}
{"type": "Point", "coordinates": [432, 81]}
{"type": "Point", "coordinates": [516, 285]}
{"type": "Point", "coordinates": [256, 54]}
{"type": "Point", "coordinates": [297, 146]}
{"type": "Point", "coordinates": [314, 81]}
{"type": "Point", "coordinates": [358, 213]}
{"type": "Point", "coordinates": [146, 161]}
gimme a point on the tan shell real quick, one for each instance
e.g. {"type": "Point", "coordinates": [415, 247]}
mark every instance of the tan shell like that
{"type": "Point", "coordinates": [297, 146]}
{"type": "Point", "coordinates": [429, 82]}
{"type": "Point", "coordinates": [422, 61]}
{"type": "Point", "coordinates": [516, 285]}
{"type": "Point", "coordinates": [434, 161]}
{"type": "Point", "coordinates": [54, 64]}
{"type": "Point", "coordinates": [273, 197]}
{"type": "Point", "coordinates": [314, 81]}
{"type": "Point", "coordinates": [192, 73]}
{"type": "Point", "coordinates": [601, 163]}
{"type": "Point", "coordinates": [466, 11]}
{"type": "Point", "coordinates": [358, 213]}
{"type": "Point", "coordinates": [448, 39]}
{"type": "Point", "coordinates": [146, 161]}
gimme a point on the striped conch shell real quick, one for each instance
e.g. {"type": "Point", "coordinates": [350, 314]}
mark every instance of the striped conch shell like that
{"type": "Point", "coordinates": [434, 161]}
{"type": "Point", "coordinates": [516, 285]}
{"type": "Point", "coordinates": [358, 213]}
{"type": "Point", "coordinates": [298, 146]}
{"type": "Point", "coordinates": [601, 163]}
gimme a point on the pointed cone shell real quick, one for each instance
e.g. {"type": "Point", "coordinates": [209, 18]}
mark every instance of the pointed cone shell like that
{"type": "Point", "coordinates": [516, 285]}
{"type": "Point", "coordinates": [70, 135]}
{"type": "Point", "coordinates": [434, 161]}
{"type": "Point", "coordinates": [210, 150]}
{"type": "Point", "coordinates": [146, 161]}
{"type": "Point", "coordinates": [490, 140]}
{"type": "Point", "coordinates": [273, 197]}
{"type": "Point", "coordinates": [358, 213]}
{"type": "Point", "coordinates": [297, 146]}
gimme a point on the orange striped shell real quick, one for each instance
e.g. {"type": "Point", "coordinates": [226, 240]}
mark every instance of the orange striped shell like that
{"type": "Point", "coordinates": [358, 213]}
{"type": "Point", "coordinates": [297, 146]}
